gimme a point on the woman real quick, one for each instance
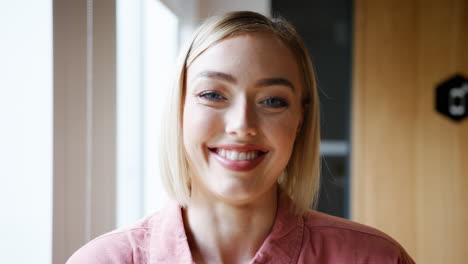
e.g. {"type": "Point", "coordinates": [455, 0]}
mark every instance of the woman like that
{"type": "Point", "coordinates": [241, 160]}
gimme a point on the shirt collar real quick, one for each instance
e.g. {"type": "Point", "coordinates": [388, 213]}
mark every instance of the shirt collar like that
{"type": "Point", "coordinates": [169, 242]}
{"type": "Point", "coordinates": [283, 244]}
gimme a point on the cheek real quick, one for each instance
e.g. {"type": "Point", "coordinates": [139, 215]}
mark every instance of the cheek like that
{"type": "Point", "coordinates": [282, 130]}
{"type": "Point", "coordinates": [199, 126]}
{"type": "Point", "coordinates": [282, 134]}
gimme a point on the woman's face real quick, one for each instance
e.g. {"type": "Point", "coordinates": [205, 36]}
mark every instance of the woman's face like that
{"type": "Point", "coordinates": [241, 115]}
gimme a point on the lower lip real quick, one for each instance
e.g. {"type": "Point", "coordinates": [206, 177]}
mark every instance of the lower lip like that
{"type": "Point", "coordinates": [239, 165]}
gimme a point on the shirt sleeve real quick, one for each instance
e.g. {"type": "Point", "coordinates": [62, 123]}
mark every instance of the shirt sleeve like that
{"type": "Point", "coordinates": [112, 248]}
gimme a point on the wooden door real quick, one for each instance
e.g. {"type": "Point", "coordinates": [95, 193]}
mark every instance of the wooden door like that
{"type": "Point", "coordinates": [410, 163]}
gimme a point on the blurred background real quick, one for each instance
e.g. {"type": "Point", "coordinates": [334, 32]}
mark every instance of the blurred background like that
{"type": "Point", "coordinates": [82, 85]}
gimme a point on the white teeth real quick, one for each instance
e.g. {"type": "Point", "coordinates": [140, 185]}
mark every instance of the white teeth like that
{"type": "Point", "coordinates": [241, 156]}
{"type": "Point", "coordinates": [235, 155]}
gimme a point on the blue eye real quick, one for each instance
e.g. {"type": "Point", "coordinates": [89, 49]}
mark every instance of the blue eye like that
{"type": "Point", "coordinates": [275, 102]}
{"type": "Point", "coordinates": [212, 96]}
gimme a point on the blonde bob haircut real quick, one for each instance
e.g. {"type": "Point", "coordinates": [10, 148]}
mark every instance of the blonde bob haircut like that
{"type": "Point", "coordinates": [301, 178]}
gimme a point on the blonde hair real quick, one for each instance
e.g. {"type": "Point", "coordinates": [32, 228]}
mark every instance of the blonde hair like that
{"type": "Point", "coordinates": [301, 178]}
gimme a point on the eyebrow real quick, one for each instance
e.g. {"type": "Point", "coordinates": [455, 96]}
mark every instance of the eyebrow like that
{"type": "Point", "coordinates": [261, 83]}
{"type": "Point", "coordinates": [217, 75]}
{"type": "Point", "coordinates": [275, 81]}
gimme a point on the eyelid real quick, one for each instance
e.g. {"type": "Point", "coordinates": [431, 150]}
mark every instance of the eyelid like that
{"type": "Point", "coordinates": [207, 92]}
{"type": "Point", "coordinates": [284, 102]}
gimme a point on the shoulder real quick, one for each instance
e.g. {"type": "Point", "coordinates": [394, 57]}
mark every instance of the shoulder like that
{"type": "Point", "coordinates": [125, 245]}
{"type": "Point", "coordinates": [352, 240]}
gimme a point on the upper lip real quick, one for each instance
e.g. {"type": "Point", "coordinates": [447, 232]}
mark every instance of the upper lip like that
{"type": "Point", "coordinates": [240, 148]}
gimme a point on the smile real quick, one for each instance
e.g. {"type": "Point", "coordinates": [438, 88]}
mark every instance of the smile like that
{"type": "Point", "coordinates": [236, 155]}
{"type": "Point", "coordinates": [239, 158]}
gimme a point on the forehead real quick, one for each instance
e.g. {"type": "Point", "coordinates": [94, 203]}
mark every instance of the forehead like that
{"type": "Point", "coordinates": [249, 56]}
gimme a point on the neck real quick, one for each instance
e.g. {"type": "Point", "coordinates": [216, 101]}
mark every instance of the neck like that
{"type": "Point", "coordinates": [220, 232]}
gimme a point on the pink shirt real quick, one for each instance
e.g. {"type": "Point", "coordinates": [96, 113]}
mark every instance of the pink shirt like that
{"type": "Point", "coordinates": [312, 238]}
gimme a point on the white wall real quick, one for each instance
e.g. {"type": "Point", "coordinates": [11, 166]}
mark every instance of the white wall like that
{"type": "Point", "coordinates": [26, 131]}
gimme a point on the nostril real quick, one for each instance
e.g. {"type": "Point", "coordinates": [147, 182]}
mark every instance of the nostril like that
{"type": "Point", "coordinates": [252, 132]}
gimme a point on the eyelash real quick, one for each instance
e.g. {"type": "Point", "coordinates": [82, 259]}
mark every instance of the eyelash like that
{"type": "Point", "coordinates": [275, 102]}
{"type": "Point", "coordinates": [271, 102]}
{"type": "Point", "coordinates": [207, 95]}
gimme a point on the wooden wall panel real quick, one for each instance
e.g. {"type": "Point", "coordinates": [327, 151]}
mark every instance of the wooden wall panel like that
{"type": "Point", "coordinates": [409, 163]}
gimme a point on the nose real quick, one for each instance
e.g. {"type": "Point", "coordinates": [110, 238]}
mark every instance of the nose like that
{"type": "Point", "coordinates": [241, 121]}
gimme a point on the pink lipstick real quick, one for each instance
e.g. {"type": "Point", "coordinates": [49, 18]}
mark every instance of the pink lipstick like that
{"type": "Point", "coordinates": [239, 157]}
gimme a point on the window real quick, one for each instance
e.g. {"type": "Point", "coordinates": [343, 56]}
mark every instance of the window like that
{"type": "Point", "coordinates": [26, 131]}
{"type": "Point", "coordinates": [147, 43]}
